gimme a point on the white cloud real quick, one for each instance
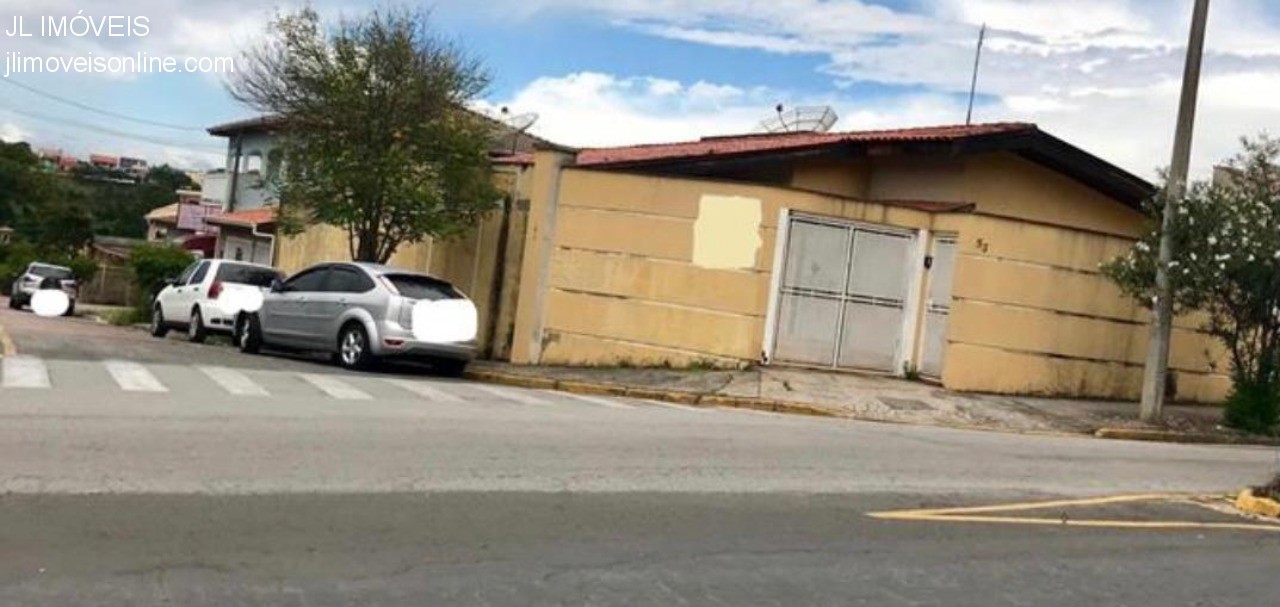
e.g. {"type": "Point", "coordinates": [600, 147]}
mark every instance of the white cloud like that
{"type": "Point", "coordinates": [1101, 73]}
{"type": "Point", "coordinates": [11, 133]}
{"type": "Point", "coordinates": [594, 109]}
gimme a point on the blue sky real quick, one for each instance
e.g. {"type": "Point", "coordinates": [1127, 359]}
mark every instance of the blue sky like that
{"type": "Point", "coordinates": [1100, 73]}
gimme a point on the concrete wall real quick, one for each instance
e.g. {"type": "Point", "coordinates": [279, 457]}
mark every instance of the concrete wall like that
{"type": "Point", "coordinates": [473, 262]}
{"type": "Point", "coordinates": [252, 188]}
{"type": "Point", "coordinates": [650, 270]}
{"type": "Point", "coordinates": [626, 276]}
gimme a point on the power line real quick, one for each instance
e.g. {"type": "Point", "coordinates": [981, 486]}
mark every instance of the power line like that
{"type": "Point", "coordinates": [115, 133]}
{"type": "Point", "coordinates": [77, 104]}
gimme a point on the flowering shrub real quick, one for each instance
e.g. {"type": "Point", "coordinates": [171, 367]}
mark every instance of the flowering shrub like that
{"type": "Point", "coordinates": [1226, 264]}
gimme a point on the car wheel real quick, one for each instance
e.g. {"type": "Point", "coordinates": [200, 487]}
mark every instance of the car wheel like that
{"type": "Point", "coordinates": [195, 328]}
{"type": "Point", "coordinates": [353, 347]}
{"type": "Point", "coordinates": [71, 309]}
{"type": "Point", "coordinates": [14, 304]}
{"type": "Point", "coordinates": [450, 367]}
{"type": "Point", "coordinates": [158, 326]}
{"type": "Point", "coordinates": [249, 334]}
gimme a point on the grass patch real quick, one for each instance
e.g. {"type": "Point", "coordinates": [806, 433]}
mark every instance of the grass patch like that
{"type": "Point", "coordinates": [127, 317]}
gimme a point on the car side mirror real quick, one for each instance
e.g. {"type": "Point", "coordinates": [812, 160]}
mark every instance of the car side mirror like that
{"type": "Point", "coordinates": [278, 286]}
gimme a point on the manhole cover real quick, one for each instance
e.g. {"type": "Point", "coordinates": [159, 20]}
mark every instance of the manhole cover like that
{"type": "Point", "coordinates": [905, 404]}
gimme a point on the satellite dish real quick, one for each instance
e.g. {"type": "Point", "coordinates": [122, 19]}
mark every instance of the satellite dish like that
{"type": "Point", "coordinates": [811, 119]}
{"type": "Point", "coordinates": [519, 122]}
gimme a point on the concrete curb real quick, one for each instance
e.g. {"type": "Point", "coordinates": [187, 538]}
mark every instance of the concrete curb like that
{"type": "Point", "coordinates": [1165, 436]}
{"type": "Point", "coordinates": [680, 397]}
{"type": "Point", "coordinates": [698, 399]}
{"type": "Point", "coordinates": [1257, 506]}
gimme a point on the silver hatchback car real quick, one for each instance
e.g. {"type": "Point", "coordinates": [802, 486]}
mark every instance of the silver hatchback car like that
{"type": "Point", "coordinates": [358, 312]}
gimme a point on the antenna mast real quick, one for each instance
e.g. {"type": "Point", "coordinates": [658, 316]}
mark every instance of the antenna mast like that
{"type": "Point", "coordinates": [973, 84]}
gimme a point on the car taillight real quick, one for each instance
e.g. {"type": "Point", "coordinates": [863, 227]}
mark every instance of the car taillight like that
{"type": "Point", "coordinates": [215, 290]}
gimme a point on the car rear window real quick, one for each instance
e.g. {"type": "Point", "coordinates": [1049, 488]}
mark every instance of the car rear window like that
{"type": "Point", "coordinates": [423, 287]}
{"type": "Point", "coordinates": [50, 272]}
{"type": "Point", "coordinates": [246, 275]}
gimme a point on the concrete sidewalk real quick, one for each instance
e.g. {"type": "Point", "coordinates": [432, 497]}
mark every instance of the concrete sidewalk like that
{"type": "Point", "coordinates": [874, 398]}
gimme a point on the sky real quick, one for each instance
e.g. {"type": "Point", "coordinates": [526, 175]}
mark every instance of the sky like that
{"type": "Point", "coordinates": [1101, 74]}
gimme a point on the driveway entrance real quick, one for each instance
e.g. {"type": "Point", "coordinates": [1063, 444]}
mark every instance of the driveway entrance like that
{"type": "Point", "coordinates": [842, 300]}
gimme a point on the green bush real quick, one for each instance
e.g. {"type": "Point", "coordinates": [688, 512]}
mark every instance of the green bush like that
{"type": "Point", "coordinates": [15, 257]}
{"type": "Point", "coordinates": [1253, 407]}
{"type": "Point", "coordinates": [13, 260]}
{"type": "Point", "coordinates": [127, 317]}
{"type": "Point", "coordinates": [153, 263]}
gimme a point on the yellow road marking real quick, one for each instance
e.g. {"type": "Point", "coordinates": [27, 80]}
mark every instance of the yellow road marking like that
{"type": "Point", "coordinates": [979, 514]}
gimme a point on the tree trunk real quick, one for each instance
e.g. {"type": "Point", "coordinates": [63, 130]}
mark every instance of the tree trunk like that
{"type": "Point", "coordinates": [367, 248]}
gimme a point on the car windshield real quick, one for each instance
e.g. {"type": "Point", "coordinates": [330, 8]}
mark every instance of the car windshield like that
{"type": "Point", "coordinates": [423, 287]}
{"type": "Point", "coordinates": [246, 275]}
{"type": "Point", "coordinates": [50, 271]}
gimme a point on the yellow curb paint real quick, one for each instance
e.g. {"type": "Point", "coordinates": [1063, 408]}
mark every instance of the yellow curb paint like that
{"type": "Point", "coordinates": [1257, 506]}
{"type": "Point", "coordinates": [684, 398]}
{"type": "Point", "coordinates": [980, 514]}
{"type": "Point", "coordinates": [582, 387]}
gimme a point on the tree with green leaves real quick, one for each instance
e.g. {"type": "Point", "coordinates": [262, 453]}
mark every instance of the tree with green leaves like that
{"type": "Point", "coordinates": [169, 179]}
{"type": "Point", "coordinates": [23, 185]}
{"type": "Point", "coordinates": [377, 137]}
{"type": "Point", "coordinates": [1227, 266]}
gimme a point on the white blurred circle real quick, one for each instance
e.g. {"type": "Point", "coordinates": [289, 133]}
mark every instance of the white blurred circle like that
{"type": "Point", "coordinates": [50, 302]}
{"type": "Point", "coordinates": [446, 321]}
{"type": "Point", "coordinates": [235, 301]}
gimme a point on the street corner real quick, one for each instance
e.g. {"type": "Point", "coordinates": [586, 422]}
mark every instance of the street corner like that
{"type": "Point", "coordinates": [1133, 512]}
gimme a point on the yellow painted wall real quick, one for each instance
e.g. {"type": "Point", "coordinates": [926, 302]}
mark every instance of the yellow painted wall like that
{"type": "Point", "coordinates": [1032, 314]}
{"type": "Point", "coordinates": [453, 260]}
{"type": "Point", "coordinates": [629, 280]}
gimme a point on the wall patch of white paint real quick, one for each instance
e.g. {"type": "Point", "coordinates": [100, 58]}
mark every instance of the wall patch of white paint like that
{"type": "Point", "coordinates": [726, 235]}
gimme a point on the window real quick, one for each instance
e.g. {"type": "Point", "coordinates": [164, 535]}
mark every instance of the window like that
{"type": "Point", "coordinates": [44, 271]}
{"type": "Point", "coordinates": [422, 287]}
{"type": "Point", "coordinates": [246, 275]}
{"type": "Point", "coordinates": [182, 278]}
{"type": "Point", "coordinates": [348, 280]}
{"type": "Point", "coordinates": [198, 276]}
{"type": "Point", "coordinates": [310, 281]}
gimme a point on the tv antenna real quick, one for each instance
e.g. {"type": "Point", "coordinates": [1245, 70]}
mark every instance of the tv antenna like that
{"type": "Point", "coordinates": [518, 123]}
{"type": "Point", "coordinates": [808, 119]}
{"type": "Point", "coordinates": [973, 84]}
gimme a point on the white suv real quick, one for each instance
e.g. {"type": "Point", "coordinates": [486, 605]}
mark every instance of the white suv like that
{"type": "Point", "coordinates": [208, 296]}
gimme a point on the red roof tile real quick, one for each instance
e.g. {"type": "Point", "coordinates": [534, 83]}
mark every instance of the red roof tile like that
{"type": "Point", "coordinates": [251, 217]}
{"type": "Point", "coordinates": [748, 144]}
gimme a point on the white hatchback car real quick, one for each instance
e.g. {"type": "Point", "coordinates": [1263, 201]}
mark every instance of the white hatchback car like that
{"type": "Point", "coordinates": [208, 296]}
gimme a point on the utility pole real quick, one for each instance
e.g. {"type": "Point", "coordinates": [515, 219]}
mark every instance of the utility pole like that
{"type": "Point", "coordinates": [1157, 367]}
{"type": "Point", "coordinates": [973, 84]}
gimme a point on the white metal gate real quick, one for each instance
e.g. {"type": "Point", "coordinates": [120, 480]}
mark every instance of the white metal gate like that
{"type": "Point", "coordinates": [842, 297]}
{"type": "Point", "coordinates": [938, 308]}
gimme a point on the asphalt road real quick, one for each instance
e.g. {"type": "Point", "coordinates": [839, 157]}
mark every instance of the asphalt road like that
{"type": "Point", "coordinates": [136, 471]}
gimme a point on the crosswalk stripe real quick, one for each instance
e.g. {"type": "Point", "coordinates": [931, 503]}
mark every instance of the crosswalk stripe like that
{"type": "Point", "coordinates": [24, 372]}
{"type": "Point", "coordinates": [678, 406]}
{"type": "Point", "coordinates": [516, 394]}
{"type": "Point", "coordinates": [133, 377]}
{"type": "Point", "coordinates": [234, 382]}
{"type": "Point", "coordinates": [604, 402]}
{"type": "Point", "coordinates": [425, 391]}
{"type": "Point", "coordinates": [334, 387]}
